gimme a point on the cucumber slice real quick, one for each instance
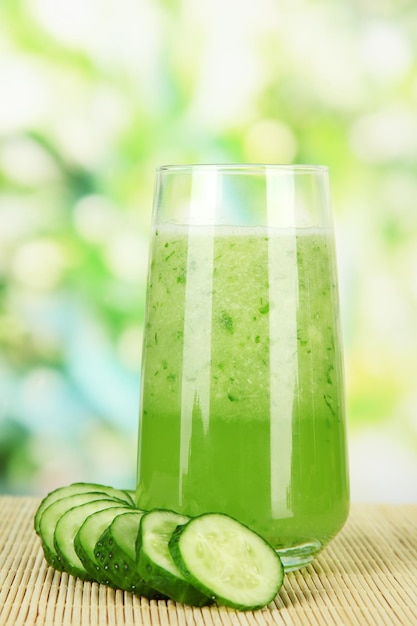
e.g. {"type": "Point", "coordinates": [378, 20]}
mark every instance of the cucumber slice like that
{"type": "Point", "coordinates": [49, 519]}
{"type": "Point", "coordinates": [155, 563]}
{"type": "Point", "coordinates": [76, 488]}
{"type": "Point", "coordinates": [115, 553]}
{"type": "Point", "coordinates": [87, 536]}
{"type": "Point", "coordinates": [67, 527]}
{"type": "Point", "coordinates": [132, 495]}
{"type": "Point", "coordinates": [227, 561]}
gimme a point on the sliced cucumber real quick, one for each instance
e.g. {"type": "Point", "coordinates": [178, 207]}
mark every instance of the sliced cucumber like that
{"type": "Point", "coordinates": [227, 561]}
{"type": "Point", "coordinates": [50, 517]}
{"type": "Point", "coordinates": [66, 529]}
{"type": "Point", "coordinates": [115, 554]}
{"type": "Point", "coordinates": [77, 488]}
{"type": "Point", "coordinates": [155, 563]}
{"type": "Point", "coordinates": [96, 533]}
{"type": "Point", "coordinates": [88, 535]}
{"type": "Point", "coordinates": [132, 495]}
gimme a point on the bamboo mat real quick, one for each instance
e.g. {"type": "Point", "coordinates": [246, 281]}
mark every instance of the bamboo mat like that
{"type": "Point", "coordinates": [366, 576]}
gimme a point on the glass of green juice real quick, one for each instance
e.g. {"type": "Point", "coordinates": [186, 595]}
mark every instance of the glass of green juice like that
{"type": "Point", "coordinates": [242, 402]}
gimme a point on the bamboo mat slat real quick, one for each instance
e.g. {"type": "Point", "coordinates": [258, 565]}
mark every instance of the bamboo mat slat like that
{"type": "Point", "coordinates": [367, 576]}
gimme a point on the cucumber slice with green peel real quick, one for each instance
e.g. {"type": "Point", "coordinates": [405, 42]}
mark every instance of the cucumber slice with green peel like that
{"type": "Point", "coordinates": [125, 531]}
{"type": "Point", "coordinates": [67, 527]}
{"type": "Point", "coordinates": [115, 553]}
{"type": "Point", "coordinates": [52, 513]}
{"type": "Point", "coordinates": [77, 488]}
{"type": "Point", "coordinates": [132, 495]}
{"type": "Point", "coordinates": [87, 536]}
{"type": "Point", "coordinates": [227, 561]}
{"type": "Point", "coordinates": [155, 563]}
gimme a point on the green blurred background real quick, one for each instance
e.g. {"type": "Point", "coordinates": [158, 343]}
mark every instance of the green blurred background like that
{"type": "Point", "coordinates": [94, 94]}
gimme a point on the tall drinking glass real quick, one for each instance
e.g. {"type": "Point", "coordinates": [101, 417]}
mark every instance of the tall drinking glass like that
{"type": "Point", "coordinates": [242, 401]}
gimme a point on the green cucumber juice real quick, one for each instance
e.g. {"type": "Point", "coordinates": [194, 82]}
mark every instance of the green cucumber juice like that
{"type": "Point", "coordinates": [242, 406]}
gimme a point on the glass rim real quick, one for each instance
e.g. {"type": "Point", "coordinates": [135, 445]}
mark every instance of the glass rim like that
{"type": "Point", "coordinates": [241, 167]}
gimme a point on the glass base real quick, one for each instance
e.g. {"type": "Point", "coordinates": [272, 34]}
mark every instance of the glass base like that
{"type": "Point", "coordinates": [299, 556]}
